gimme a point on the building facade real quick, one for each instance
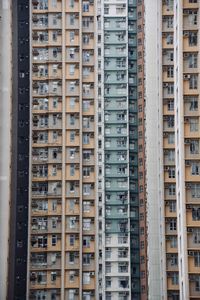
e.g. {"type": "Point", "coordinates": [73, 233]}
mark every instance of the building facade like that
{"type": "Point", "coordinates": [62, 218]}
{"type": "Point", "coordinates": [179, 111]}
{"type": "Point", "coordinates": [105, 150]}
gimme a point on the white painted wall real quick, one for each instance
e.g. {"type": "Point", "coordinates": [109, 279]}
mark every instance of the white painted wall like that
{"type": "Point", "coordinates": [5, 139]}
{"type": "Point", "coordinates": [152, 148]}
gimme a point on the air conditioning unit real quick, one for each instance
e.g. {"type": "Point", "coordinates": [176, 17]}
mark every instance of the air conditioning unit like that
{"type": "Point", "coordinates": [187, 141]}
{"type": "Point", "coordinates": [191, 253]}
{"type": "Point", "coordinates": [188, 185]}
{"type": "Point", "coordinates": [186, 76]}
{"type": "Point", "coordinates": [165, 134]}
{"type": "Point", "coordinates": [186, 120]}
{"type": "Point", "coordinates": [188, 206]}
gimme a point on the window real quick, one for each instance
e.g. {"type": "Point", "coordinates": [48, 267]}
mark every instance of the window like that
{"type": "Point", "coordinates": [72, 187]}
{"type": "Point", "coordinates": [193, 82]}
{"type": "Point", "coordinates": [195, 190]}
{"type": "Point", "coordinates": [169, 22]}
{"type": "Point", "coordinates": [71, 257]}
{"type": "Point", "coordinates": [194, 124]}
{"type": "Point", "coordinates": [72, 86]}
{"type": "Point", "coordinates": [86, 39]}
{"type": "Point", "coordinates": [55, 102]}
{"type": "Point", "coordinates": [86, 224]}
{"type": "Point", "coordinates": [71, 36]}
{"type": "Point", "coordinates": [195, 168]}
{"type": "Point", "coordinates": [174, 278]}
{"type": "Point", "coordinates": [193, 17]}
{"type": "Point", "coordinates": [86, 259]}
{"type": "Point", "coordinates": [169, 39]}
{"type": "Point", "coordinates": [72, 53]}
{"type": "Point", "coordinates": [86, 189]}
{"type": "Point", "coordinates": [196, 213]}
{"type": "Point", "coordinates": [72, 136]}
{"type": "Point", "coordinates": [170, 71]}
{"type": "Point", "coordinates": [196, 236]}
{"type": "Point", "coordinates": [171, 138]}
{"type": "Point", "coordinates": [72, 204]}
{"type": "Point", "coordinates": [197, 284]}
{"type": "Point", "coordinates": [54, 223]}
{"type": "Point", "coordinates": [54, 3]}
{"type": "Point", "coordinates": [86, 241]}
{"type": "Point", "coordinates": [54, 36]}
{"type": "Point", "coordinates": [71, 276]}
{"type": "Point", "coordinates": [86, 105]}
{"type": "Point", "coordinates": [71, 69]}
{"type": "Point", "coordinates": [72, 170]}
{"type": "Point", "coordinates": [108, 267]}
{"type": "Point", "coordinates": [72, 222]}
{"type": "Point", "coordinates": [72, 240]}
{"type": "Point", "coordinates": [197, 259]}
{"type": "Point", "coordinates": [53, 276]}
{"type": "Point", "coordinates": [86, 206]}
{"type": "Point", "coordinates": [86, 138]}
{"type": "Point", "coordinates": [71, 19]}
{"type": "Point", "coordinates": [173, 242]}
{"type": "Point", "coordinates": [170, 122]}
{"type": "Point", "coordinates": [192, 61]}
{"type": "Point", "coordinates": [193, 38]}
{"type": "Point", "coordinates": [171, 172]}
{"type": "Point", "coordinates": [172, 206]}
{"type": "Point", "coordinates": [106, 9]}
{"type": "Point", "coordinates": [170, 89]}
{"type": "Point", "coordinates": [172, 225]}
{"type": "Point", "coordinates": [194, 147]}
{"type": "Point", "coordinates": [108, 284]}
{"type": "Point", "coordinates": [86, 6]}
{"type": "Point", "coordinates": [71, 3]}
{"type": "Point", "coordinates": [72, 153]}
{"type": "Point", "coordinates": [193, 104]}
{"type": "Point", "coordinates": [53, 240]}
{"type": "Point", "coordinates": [54, 205]}
{"type": "Point", "coordinates": [86, 278]}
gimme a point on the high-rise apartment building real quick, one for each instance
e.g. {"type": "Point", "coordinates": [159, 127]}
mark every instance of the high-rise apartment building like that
{"type": "Point", "coordinates": [180, 157]}
{"type": "Point", "coordinates": [118, 188]}
{"type": "Point", "coordinates": [62, 218]}
{"type": "Point", "coordinates": [104, 197]}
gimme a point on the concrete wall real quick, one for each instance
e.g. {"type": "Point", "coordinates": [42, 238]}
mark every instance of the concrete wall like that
{"type": "Point", "coordinates": [152, 149]}
{"type": "Point", "coordinates": [5, 141]}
